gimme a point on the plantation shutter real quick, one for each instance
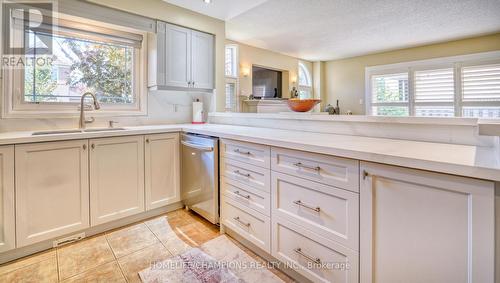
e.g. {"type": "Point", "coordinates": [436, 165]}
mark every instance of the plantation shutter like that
{"type": "Point", "coordinates": [481, 83]}
{"type": "Point", "coordinates": [434, 86]}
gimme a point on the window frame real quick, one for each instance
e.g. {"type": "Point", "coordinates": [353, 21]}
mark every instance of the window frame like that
{"type": "Point", "coordinates": [455, 62]}
{"type": "Point", "coordinates": [13, 86]}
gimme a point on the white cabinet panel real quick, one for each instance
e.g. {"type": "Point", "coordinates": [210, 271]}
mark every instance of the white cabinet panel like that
{"type": "Point", "coordinates": [162, 170]}
{"type": "Point", "coordinates": [253, 226]}
{"type": "Point", "coordinates": [7, 218]}
{"type": "Point", "coordinates": [251, 153]}
{"type": "Point", "coordinates": [52, 190]}
{"type": "Point", "coordinates": [202, 67]}
{"type": "Point", "coordinates": [246, 195]}
{"type": "Point", "coordinates": [329, 170]}
{"type": "Point", "coordinates": [327, 211]}
{"type": "Point", "coordinates": [316, 258]}
{"type": "Point", "coordinates": [419, 226]}
{"type": "Point", "coordinates": [117, 178]}
{"type": "Point", "coordinates": [247, 174]}
{"type": "Point", "coordinates": [178, 56]}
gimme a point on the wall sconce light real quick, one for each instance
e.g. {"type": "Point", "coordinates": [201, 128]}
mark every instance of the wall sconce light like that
{"type": "Point", "coordinates": [245, 71]}
{"type": "Point", "coordinates": [294, 80]}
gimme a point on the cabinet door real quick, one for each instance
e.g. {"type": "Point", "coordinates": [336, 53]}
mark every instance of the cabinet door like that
{"type": "Point", "coordinates": [7, 218]}
{"type": "Point", "coordinates": [162, 170]}
{"type": "Point", "coordinates": [202, 66]}
{"type": "Point", "coordinates": [178, 56]}
{"type": "Point", "coordinates": [52, 190]}
{"type": "Point", "coordinates": [116, 178]}
{"type": "Point", "coordinates": [420, 226]}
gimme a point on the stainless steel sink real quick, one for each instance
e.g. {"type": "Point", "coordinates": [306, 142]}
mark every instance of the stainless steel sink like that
{"type": "Point", "coordinates": [103, 130]}
{"type": "Point", "coordinates": [55, 132]}
{"type": "Point", "coordinates": [59, 132]}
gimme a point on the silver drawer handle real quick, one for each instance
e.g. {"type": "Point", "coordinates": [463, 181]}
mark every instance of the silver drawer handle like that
{"type": "Point", "coordinates": [242, 174]}
{"type": "Point", "coordinates": [242, 152]}
{"type": "Point", "coordinates": [300, 165]}
{"type": "Point", "coordinates": [243, 196]}
{"type": "Point", "coordinates": [300, 203]}
{"type": "Point", "coordinates": [241, 222]}
{"type": "Point", "coordinates": [300, 252]}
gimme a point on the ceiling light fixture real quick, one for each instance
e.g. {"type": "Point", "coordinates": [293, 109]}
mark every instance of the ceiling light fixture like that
{"type": "Point", "coordinates": [207, 1]}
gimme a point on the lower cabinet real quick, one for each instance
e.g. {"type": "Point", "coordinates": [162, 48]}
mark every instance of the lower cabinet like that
{"type": "Point", "coordinates": [7, 214]}
{"type": "Point", "coordinates": [116, 178]}
{"type": "Point", "coordinates": [52, 190]}
{"type": "Point", "coordinates": [419, 226]}
{"type": "Point", "coordinates": [315, 257]}
{"type": "Point", "coordinates": [162, 170]}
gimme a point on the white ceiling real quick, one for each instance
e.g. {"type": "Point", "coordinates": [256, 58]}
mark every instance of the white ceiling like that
{"type": "Point", "coordinates": [332, 29]}
{"type": "Point", "coordinates": [220, 9]}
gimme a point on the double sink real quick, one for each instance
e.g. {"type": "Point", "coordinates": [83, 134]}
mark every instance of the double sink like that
{"type": "Point", "coordinates": [55, 132]}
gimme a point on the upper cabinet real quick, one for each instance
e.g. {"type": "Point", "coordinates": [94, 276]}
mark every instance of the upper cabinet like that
{"type": "Point", "coordinates": [180, 58]}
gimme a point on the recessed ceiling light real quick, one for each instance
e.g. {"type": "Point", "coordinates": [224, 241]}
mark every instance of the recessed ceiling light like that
{"type": "Point", "coordinates": [207, 1]}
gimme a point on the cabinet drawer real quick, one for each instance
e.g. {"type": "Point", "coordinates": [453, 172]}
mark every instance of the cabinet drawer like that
{"type": "Point", "coordinates": [330, 212]}
{"type": "Point", "coordinates": [247, 174]}
{"type": "Point", "coordinates": [249, 197]}
{"type": "Point", "coordinates": [255, 154]}
{"type": "Point", "coordinates": [329, 170]}
{"type": "Point", "coordinates": [320, 260]}
{"type": "Point", "coordinates": [253, 226]}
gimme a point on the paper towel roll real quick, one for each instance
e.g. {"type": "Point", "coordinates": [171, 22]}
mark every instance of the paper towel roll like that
{"type": "Point", "coordinates": [197, 112]}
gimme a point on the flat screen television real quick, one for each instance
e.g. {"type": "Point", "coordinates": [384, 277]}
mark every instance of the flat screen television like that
{"type": "Point", "coordinates": [266, 83]}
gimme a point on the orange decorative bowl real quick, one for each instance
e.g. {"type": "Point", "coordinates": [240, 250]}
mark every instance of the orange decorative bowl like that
{"type": "Point", "coordinates": [302, 105]}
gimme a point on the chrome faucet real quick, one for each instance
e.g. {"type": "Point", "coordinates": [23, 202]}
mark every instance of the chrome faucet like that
{"type": "Point", "coordinates": [83, 120]}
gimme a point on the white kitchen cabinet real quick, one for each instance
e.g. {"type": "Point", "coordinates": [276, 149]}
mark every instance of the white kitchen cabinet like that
{"type": "Point", "coordinates": [180, 58]}
{"type": "Point", "coordinates": [7, 218]}
{"type": "Point", "coordinates": [162, 170]}
{"type": "Point", "coordinates": [52, 190]}
{"type": "Point", "coordinates": [418, 226]}
{"type": "Point", "coordinates": [202, 66]}
{"type": "Point", "coordinates": [116, 178]}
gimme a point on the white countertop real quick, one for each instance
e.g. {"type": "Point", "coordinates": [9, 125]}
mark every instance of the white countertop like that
{"type": "Point", "coordinates": [464, 160]}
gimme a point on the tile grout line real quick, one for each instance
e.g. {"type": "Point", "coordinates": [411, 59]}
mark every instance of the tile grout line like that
{"type": "Point", "coordinates": [156, 236]}
{"type": "Point", "coordinates": [57, 264]}
{"type": "Point", "coordinates": [114, 255]}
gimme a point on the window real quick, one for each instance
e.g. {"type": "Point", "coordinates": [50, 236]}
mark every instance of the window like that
{"type": "Point", "coordinates": [467, 86]}
{"type": "Point", "coordinates": [232, 80]}
{"type": "Point", "coordinates": [434, 93]}
{"type": "Point", "coordinates": [231, 65]}
{"type": "Point", "coordinates": [305, 82]}
{"type": "Point", "coordinates": [85, 57]}
{"type": "Point", "coordinates": [390, 95]}
{"type": "Point", "coordinates": [481, 91]}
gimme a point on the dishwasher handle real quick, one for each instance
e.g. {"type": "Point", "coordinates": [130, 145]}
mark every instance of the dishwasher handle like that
{"type": "Point", "coordinates": [197, 146]}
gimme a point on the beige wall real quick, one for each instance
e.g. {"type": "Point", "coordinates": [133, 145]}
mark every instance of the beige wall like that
{"type": "Point", "coordinates": [161, 10]}
{"type": "Point", "coordinates": [345, 79]}
{"type": "Point", "coordinates": [249, 55]}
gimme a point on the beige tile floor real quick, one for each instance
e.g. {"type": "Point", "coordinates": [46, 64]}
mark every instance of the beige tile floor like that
{"type": "Point", "coordinates": [118, 255]}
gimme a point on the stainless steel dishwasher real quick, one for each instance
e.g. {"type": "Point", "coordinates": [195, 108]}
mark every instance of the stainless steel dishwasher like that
{"type": "Point", "coordinates": [200, 175]}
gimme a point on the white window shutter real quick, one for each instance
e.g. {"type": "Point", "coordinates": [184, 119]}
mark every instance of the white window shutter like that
{"type": "Point", "coordinates": [481, 83]}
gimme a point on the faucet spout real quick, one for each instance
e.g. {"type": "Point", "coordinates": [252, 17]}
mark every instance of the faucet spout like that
{"type": "Point", "coordinates": [97, 106]}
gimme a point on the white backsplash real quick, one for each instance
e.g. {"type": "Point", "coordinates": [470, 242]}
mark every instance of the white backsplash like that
{"type": "Point", "coordinates": [164, 107]}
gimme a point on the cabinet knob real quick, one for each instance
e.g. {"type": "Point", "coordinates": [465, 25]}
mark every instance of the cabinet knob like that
{"type": "Point", "coordinates": [84, 147]}
{"type": "Point", "coordinates": [192, 83]}
{"type": "Point", "coordinates": [92, 146]}
{"type": "Point", "coordinates": [147, 140]}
